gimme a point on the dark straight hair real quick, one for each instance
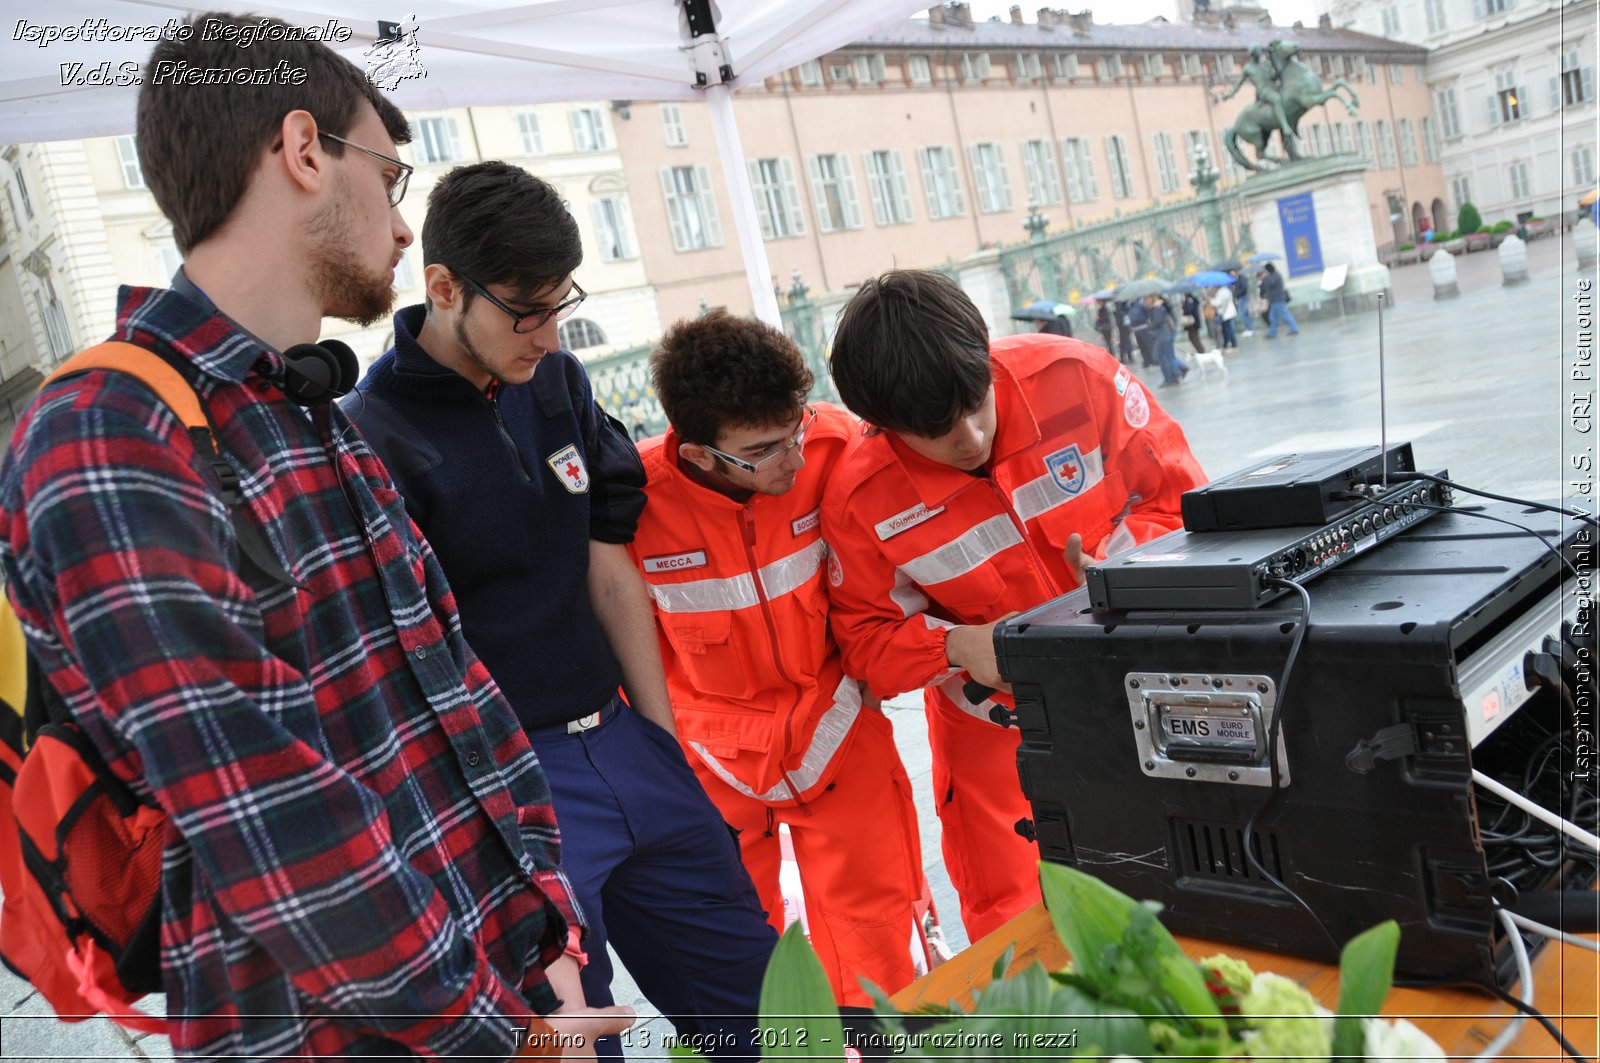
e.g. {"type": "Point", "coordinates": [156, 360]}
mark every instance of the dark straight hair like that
{"type": "Point", "coordinates": [499, 224]}
{"type": "Point", "coordinates": [199, 143]}
{"type": "Point", "coordinates": [911, 353]}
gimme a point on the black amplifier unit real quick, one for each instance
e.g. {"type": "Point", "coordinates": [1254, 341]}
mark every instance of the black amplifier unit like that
{"type": "Point", "coordinates": [1145, 732]}
{"type": "Point", "coordinates": [1291, 489]}
{"type": "Point", "coordinates": [1230, 570]}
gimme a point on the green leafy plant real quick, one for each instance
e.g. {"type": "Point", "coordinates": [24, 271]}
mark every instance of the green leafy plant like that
{"type": "Point", "coordinates": [1468, 220]}
{"type": "Point", "coordinates": [1502, 226]}
{"type": "Point", "coordinates": [1130, 992]}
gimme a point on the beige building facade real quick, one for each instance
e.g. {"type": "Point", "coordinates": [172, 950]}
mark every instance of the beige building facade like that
{"type": "Point", "coordinates": [927, 143]}
{"type": "Point", "coordinates": [78, 221]}
{"type": "Point", "coordinates": [1514, 95]}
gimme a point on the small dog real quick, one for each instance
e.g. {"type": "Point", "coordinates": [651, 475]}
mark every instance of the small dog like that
{"type": "Point", "coordinates": [1209, 361]}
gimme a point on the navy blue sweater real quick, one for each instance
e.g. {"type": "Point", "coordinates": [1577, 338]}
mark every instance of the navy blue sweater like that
{"type": "Point", "coordinates": [509, 492]}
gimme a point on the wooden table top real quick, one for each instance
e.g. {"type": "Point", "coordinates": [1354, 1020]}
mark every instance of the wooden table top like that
{"type": "Point", "coordinates": [1566, 989]}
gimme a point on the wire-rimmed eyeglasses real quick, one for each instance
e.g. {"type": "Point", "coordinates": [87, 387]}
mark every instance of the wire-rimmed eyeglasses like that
{"type": "Point", "coordinates": [774, 453]}
{"type": "Point", "coordinates": [396, 186]}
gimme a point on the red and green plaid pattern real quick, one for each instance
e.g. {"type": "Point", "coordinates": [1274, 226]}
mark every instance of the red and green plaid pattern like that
{"type": "Point", "coordinates": [364, 852]}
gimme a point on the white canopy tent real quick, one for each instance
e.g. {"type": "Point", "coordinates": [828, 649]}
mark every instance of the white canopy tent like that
{"type": "Point", "coordinates": [473, 54]}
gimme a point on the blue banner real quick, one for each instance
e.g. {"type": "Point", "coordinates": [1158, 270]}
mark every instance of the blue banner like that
{"type": "Point", "coordinates": [1298, 217]}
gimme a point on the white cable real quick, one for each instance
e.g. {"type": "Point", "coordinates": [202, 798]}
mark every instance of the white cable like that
{"type": "Point", "coordinates": [1570, 830]}
{"type": "Point", "coordinates": [1551, 932]}
{"type": "Point", "coordinates": [1493, 1049]}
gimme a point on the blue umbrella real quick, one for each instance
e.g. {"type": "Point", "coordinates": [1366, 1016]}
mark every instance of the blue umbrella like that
{"type": "Point", "coordinates": [1188, 284]}
{"type": "Point", "coordinates": [1212, 279]}
{"type": "Point", "coordinates": [1042, 310]}
{"type": "Point", "coordinates": [1263, 256]}
{"type": "Point", "coordinates": [1105, 293]}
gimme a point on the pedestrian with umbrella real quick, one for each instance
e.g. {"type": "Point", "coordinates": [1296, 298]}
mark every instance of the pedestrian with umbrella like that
{"type": "Point", "coordinates": [1051, 317]}
{"type": "Point", "coordinates": [1136, 293]}
{"type": "Point", "coordinates": [1159, 326]}
{"type": "Point", "coordinates": [1105, 324]}
{"type": "Point", "coordinates": [1226, 312]}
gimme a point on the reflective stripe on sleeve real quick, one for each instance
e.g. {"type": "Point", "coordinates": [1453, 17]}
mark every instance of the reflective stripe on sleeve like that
{"type": "Point", "coordinates": [907, 595]}
{"type": "Point", "coordinates": [830, 734]}
{"type": "Point", "coordinates": [1046, 493]}
{"type": "Point", "coordinates": [965, 552]}
{"type": "Point", "coordinates": [739, 592]}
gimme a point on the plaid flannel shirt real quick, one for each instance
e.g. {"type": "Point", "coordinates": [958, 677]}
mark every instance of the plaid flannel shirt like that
{"type": "Point", "coordinates": [363, 856]}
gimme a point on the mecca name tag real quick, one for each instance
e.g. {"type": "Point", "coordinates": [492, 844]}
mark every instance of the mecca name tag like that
{"type": "Point", "coordinates": [675, 562]}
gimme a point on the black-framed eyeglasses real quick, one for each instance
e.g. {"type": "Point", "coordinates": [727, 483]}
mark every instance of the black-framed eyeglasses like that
{"type": "Point", "coordinates": [528, 320]}
{"type": "Point", "coordinates": [397, 187]}
{"type": "Point", "coordinates": [775, 452]}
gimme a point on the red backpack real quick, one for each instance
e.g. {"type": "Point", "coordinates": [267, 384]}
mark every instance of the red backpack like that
{"type": "Point", "coordinates": [80, 853]}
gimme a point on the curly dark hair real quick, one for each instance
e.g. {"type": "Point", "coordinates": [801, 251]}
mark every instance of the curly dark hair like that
{"type": "Point", "coordinates": [911, 353]}
{"type": "Point", "coordinates": [720, 371]}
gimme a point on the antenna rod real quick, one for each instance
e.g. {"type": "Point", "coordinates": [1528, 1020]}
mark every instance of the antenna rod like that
{"type": "Point", "coordinates": [1383, 409]}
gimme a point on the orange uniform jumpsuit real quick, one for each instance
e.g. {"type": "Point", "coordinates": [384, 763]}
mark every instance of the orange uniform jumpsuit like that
{"type": "Point", "coordinates": [776, 731]}
{"type": "Point", "coordinates": [1080, 446]}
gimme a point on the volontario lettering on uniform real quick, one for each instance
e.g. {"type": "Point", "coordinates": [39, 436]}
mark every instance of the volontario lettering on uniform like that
{"type": "Point", "coordinates": [905, 520]}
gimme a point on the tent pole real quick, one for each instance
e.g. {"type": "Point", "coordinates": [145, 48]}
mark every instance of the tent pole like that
{"type": "Point", "coordinates": [746, 221]}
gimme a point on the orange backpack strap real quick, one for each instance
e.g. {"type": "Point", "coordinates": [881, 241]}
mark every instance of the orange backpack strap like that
{"type": "Point", "coordinates": [175, 388]}
{"type": "Point", "coordinates": [146, 366]}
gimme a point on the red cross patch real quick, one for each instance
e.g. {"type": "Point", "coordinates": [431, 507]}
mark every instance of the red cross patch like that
{"type": "Point", "coordinates": [568, 466]}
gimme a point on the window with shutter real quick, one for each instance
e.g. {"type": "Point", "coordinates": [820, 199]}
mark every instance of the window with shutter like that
{"type": "Point", "coordinates": [672, 126]}
{"type": "Point", "coordinates": [1044, 182]}
{"type": "Point", "coordinates": [1518, 172]}
{"type": "Point", "coordinates": [1166, 162]}
{"type": "Point", "coordinates": [439, 140]}
{"type": "Point", "coordinates": [989, 176]}
{"type": "Point", "coordinates": [1449, 117]}
{"type": "Point", "coordinates": [613, 231]}
{"type": "Point", "coordinates": [886, 182]}
{"type": "Point", "coordinates": [919, 69]}
{"type": "Point", "coordinates": [128, 155]}
{"type": "Point", "coordinates": [941, 181]}
{"type": "Point", "coordinates": [1117, 166]}
{"type": "Point", "coordinates": [530, 132]}
{"type": "Point", "coordinates": [1408, 142]}
{"type": "Point", "coordinates": [588, 129]}
{"type": "Point", "coordinates": [1583, 166]}
{"type": "Point", "coordinates": [691, 208]}
{"type": "Point", "coordinates": [1577, 80]}
{"type": "Point", "coordinates": [1385, 137]}
{"type": "Point", "coordinates": [1081, 187]}
{"type": "Point", "coordinates": [811, 73]}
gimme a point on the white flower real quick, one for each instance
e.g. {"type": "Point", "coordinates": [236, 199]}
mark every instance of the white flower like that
{"type": "Point", "coordinates": [1386, 1043]}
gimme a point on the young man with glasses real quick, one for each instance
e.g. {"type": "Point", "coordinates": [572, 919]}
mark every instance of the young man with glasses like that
{"type": "Point", "coordinates": [731, 546]}
{"type": "Point", "coordinates": [529, 493]}
{"type": "Point", "coordinates": [991, 472]}
{"type": "Point", "coordinates": [360, 856]}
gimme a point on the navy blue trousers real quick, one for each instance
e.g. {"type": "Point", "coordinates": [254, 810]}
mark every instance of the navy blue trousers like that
{"type": "Point", "coordinates": [658, 875]}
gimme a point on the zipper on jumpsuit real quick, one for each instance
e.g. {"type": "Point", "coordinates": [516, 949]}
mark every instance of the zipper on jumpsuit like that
{"type": "Point", "coordinates": [1022, 529]}
{"type": "Point", "coordinates": [747, 520]}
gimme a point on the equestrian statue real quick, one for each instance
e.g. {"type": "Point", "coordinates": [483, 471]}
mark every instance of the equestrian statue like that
{"type": "Point", "coordinates": [1285, 90]}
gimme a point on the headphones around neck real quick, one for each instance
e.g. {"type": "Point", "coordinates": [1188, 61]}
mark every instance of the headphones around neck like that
{"type": "Point", "coordinates": [312, 372]}
{"type": "Point", "coordinates": [318, 372]}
